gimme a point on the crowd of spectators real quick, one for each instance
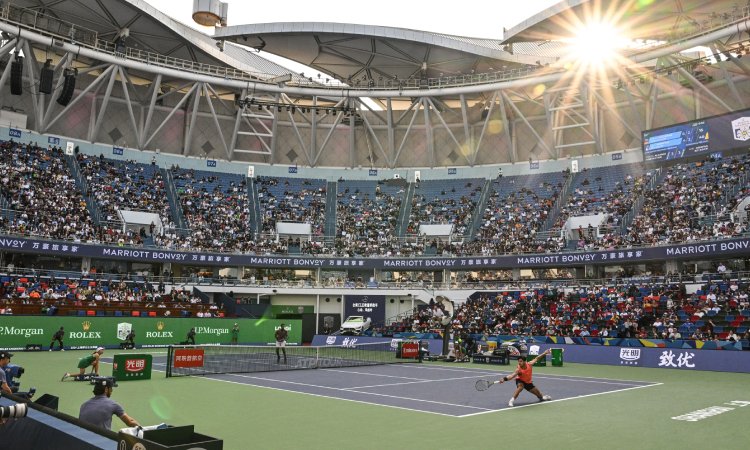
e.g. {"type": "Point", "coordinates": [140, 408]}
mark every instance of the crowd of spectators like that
{"type": "Point", "coordinates": [90, 290]}
{"type": "Point", "coordinates": [366, 216]}
{"type": "Point", "coordinates": [517, 209]}
{"type": "Point", "coordinates": [292, 200]}
{"type": "Point", "coordinates": [435, 202]}
{"type": "Point", "coordinates": [688, 204]}
{"type": "Point", "coordinates": [661, 311]}
{"type": "Point", "coordinates": [216, 209]}
{"type": "Point", "coordinates": [39, 189]}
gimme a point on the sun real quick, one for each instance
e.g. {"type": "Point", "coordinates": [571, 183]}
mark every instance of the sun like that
{"type": "Point", "coordinates": [597, 43]}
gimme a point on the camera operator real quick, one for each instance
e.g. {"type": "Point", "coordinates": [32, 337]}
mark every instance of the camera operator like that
{"type": "Point", "coordinates": [4, 361]}
{"type": "Point", "coordinates": [99, 409]}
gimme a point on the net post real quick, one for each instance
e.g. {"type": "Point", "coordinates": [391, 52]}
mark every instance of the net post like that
{"type": "Point", "coordinates": [317, 355]}
{"type": "Point", "coordinates": [169, 361]}
{"type": "Point", "coordinates": [419, 351]}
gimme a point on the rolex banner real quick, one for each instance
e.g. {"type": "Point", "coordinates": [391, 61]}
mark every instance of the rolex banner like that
{"type": "Point", "coordinates": [90, 332]}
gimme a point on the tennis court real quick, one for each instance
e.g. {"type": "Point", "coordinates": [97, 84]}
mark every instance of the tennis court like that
{"type": "Point", "coordinates": [416, 387]}
{"type": "Point", "coordinates": [404, 404]}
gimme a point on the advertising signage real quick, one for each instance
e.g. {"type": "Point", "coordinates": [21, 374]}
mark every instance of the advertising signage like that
{"type": "Point", "coordinates": [703, 249]}
{"type": "Point", "coordinates": [87, 332]}
{"type": "Point", "coordinates": [710, 135]}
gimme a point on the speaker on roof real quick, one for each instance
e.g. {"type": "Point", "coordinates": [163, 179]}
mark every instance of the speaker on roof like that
{"type": "Point", "coordinates": [68, 87]}
{"type": "Point", "coordinates": [45, 78]}
{"type": "Point", "coordinates": [16, 76]}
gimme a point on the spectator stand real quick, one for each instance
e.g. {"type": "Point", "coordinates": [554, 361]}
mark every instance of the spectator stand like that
{"type": "Point", "coordinates": [292, 200]}
{"type": "Point", "coordinates": [444, 202]}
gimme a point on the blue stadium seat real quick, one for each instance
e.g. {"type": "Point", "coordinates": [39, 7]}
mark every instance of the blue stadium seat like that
{"type": "Point", "coordinates": [100, 313]}
{"type": "Point", "coordinates": [718, 329]}
{"type": "Point", "coordinates": [81, 313]}
{"type": "Point", "coordinates": [118, 313]}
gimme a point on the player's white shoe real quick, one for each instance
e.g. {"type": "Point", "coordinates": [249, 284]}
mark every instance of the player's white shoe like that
{"type": "Point", "coordinates": [50, 349]}
{"type": "Point", "coordinates": [65, 376]}
{"type": "Point", "coordinates": [62, 349]}
{"type": "Point", "coordinates": [510, 403]}
{"type": "Point", "coordinates": [546, 398]}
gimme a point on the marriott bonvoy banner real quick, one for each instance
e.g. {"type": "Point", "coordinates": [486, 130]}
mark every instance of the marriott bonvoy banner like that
{"type": "Point", "coordinates": [89, 332]}
{"type": "Point", "coordinates": [687, 251]}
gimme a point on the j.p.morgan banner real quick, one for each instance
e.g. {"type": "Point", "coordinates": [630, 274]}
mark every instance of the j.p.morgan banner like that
{"type": "Point", "coordinates": [90, 332]}
{"type": "Point", "coordinates": [622, 256]}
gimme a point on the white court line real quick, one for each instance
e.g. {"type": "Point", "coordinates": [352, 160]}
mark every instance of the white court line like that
{"type": "Point", "coordinates": [375, 374]}
{"type": "Point", "coordinates": [510, 371]}
{"type": "Point", "coordinates": [410, 382]}
{"type": "Point", "coordinates": [560, 400]}
{"type": "Point", "coordinates": [332, 398]}
{"type": "Point", "coordinates": [357, 392]}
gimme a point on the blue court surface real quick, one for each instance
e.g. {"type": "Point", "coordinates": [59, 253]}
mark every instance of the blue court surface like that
{"type": "Point", "coordinates": [429, 388]}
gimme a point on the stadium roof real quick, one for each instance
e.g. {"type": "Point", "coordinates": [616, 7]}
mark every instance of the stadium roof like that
{"type": "Point", "coordinates": [153, 31]}
{"type": "Point", "coordinates": [349, 50]}
{"type": "Point", "coordinates": [634, 19]}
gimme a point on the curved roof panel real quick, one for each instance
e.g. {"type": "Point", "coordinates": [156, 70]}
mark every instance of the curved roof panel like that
{"type": "Point", "coordinates": [350, 50]}
{"type": "Point", "coordinates": [632, 19]}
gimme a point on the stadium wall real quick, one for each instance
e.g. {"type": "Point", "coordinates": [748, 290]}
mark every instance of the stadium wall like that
{"type": "Point", "coordinates": [657, 358]}
{"type": "Point", "coordinates": [87, 332]}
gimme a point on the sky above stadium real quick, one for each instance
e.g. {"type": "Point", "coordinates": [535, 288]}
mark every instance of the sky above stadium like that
{"type": "Point", "coordinates": [482, 19]}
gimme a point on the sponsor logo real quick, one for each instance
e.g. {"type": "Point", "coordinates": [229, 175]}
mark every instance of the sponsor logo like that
{"type": "Point", "coordinates": [159, 334]}
{"type": "Point", "coordinates": [330, 340]}
{"type": "Point", "coordinates": [616, 156]}
{"type": "Point", "coordinates": [85, 334]}
{"type": "Point", "coordinates": [135, 365]}
{"type": "Point", "coordinates": [451, 171]}
{"type": "Point", "coordinates": [347, 342]}
{"type": "Point", "coordinates": [53, 140]}
{"type": "Point", "coordinates": [123, 329]}
{"type": "Point", "coordinates": [741, 129]}
{"type": "Point", "coordinates": [14, 133]}
{"type": "Point", "coordinates": [117, 151]}
{"type": "Point", "coordinates": [394, 343]}
{"type": "Point", "coordinates": [25, 332]}
{"type": "Point", "coordinates": [373, 172]}
{"type": "Point", "coordinates": [534, 165]}
{"type": "Point", "coordinates": [534, 350]}
{"type": "Point", "coordinates": [300, 309]}
{"type": "Point", "coordinates": [667, 359]}
{"type": "Point", "coordinates": [216, 331]}
{"type": "Point", "coordinates": [630, 356]}
{"type": "Point", "coordinates": [210, 163]}
{"type": "Point", "coordinates": [292, 170]}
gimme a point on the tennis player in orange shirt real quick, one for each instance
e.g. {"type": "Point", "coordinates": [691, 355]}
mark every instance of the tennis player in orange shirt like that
{"type": "Point", "coordinates": [523, 372]}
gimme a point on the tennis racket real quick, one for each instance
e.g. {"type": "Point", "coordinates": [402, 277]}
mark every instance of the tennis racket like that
{"type": "Point", "coordinates": [483, 385]}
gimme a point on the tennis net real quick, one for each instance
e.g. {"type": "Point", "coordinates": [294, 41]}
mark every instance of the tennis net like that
{"type": "Point", "coordinates": [184, 360]}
